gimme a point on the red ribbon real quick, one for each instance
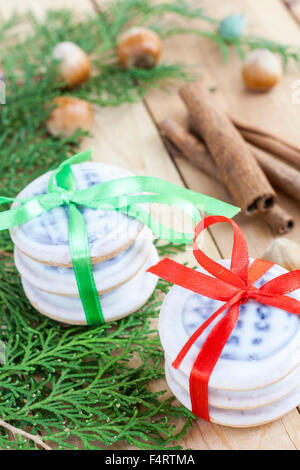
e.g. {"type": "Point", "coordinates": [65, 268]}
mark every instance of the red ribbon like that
{"type": "Point", "coordinates": [234, 287]}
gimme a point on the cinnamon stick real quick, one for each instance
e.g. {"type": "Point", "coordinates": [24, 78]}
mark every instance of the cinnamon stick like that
{"type": "Point", "coordinates": [180, 142]}
{"type": "Point", "coordinates": [187, 145]}
{"type": "Point", "coordinates": [239, 169]}
{"type": "Point", "coordinates": [294, 7]}
{"type": "Point", "coordinates": [272, 145]}
{"type": "Point", "coordinates": [269, 142]}
{"type": "Point", "coordinates": [280, 221]}
{"type": "Point", "coordinates": [281, 175]}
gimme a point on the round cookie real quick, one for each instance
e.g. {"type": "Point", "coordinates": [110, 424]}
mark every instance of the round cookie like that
{"type": "Point", "coordinates": [46, 238]}
{"type": "Point", "coordinates": [240, 418]}
{"type": "Point", "coordinates": [116, 304]}
{"type": "Point", "coordinates": [108, 275]}
{"type": "Point", "coordinates": [263, 348]}
{"type": "Point", "coordinates": [243, 400]}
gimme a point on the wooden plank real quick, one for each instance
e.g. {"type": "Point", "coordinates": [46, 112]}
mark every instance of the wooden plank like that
{"type": "Point", "coordinates": [207, 436]}
{"type": "Point", "coordinates": [274, 112]}
{"type": "Point", "coordinates": [126, 136]}
{"type": "Point", "coordinates": [38, 9]}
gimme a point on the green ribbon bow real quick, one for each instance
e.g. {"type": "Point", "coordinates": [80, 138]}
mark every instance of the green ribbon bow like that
{"type": "Point", "coordinates": [123, 195]}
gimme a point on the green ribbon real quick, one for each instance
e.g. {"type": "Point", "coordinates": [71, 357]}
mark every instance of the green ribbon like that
{"type": "Point", "coordinates": [124, 195]}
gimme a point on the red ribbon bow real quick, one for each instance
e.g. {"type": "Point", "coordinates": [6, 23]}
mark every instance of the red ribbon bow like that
{"type": "Point", "coordinates": [234, 287]}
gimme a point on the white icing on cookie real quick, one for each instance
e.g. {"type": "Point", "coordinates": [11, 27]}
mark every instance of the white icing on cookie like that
{"type": "Point", "coordinates": [263, 348]}
{"type": "Point", "coordinates": [108, 274]}
{"type": "Point", "coordinates": [241, 418]}
{"type": "Point", "coordinates": [242, 400]}
{"type": "Point", "coordinates": [116, 304]}
{"type": "Point", "coordinates": [46, 239]}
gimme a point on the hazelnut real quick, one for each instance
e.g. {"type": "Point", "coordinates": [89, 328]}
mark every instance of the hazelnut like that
{"type": "Point", "coordinates": [75, 65]}
{"type": "Point", "coordinates": [69, 115]}
{"type": "Point", "coordinates": [261, 70]}
{"type": "Point", "coordinates": [139, 47]}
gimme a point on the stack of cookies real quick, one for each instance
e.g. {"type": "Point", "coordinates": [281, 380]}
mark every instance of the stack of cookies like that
{"type": "Point", "coordinates": [121, 250]}
{"type": "Point", "coordinates": [257, 377]}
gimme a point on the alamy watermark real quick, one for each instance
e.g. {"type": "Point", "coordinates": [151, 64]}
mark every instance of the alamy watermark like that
{"type": "Point", "coordinates": [172, 223]}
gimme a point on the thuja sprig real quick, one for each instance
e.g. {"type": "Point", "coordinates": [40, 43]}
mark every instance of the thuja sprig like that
{"type": "Point", "coordinates": [97, 35]}
{"type": "Point", "coordinates": [229, 33]}
{"type": "Point", "coordinates": [167, 249]}
{"type": "Point", "coordinates": [245, 43]}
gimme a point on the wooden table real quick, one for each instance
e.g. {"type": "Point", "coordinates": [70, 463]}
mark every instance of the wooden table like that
{"type": "Point", "coordinates": [128, 136]}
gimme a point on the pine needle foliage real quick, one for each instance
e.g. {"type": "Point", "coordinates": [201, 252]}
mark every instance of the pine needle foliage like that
{"type": "Point", "coordinates": [83, 387]}
{"type": "Point", "coordinates": [96, 35]}
{"type": "Point", "coordinates": [70, 383]}
{"type": "Point", "coordinates": [78, 386]}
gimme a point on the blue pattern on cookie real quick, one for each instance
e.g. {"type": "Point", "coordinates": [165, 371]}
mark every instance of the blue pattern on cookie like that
{"type": "Point", "coordinates": [51, 228]}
